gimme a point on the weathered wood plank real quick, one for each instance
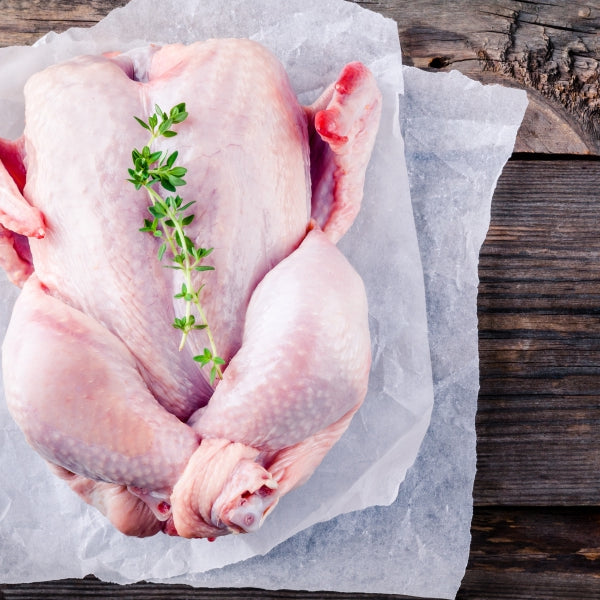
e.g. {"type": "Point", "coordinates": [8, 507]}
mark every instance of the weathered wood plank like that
{"type": "Point", "coordinates": [522, 554]}
{"type": "Point", "coordinates": [552, 49]}
{"type": "Point", "coordinates": [512, 584]}
{"type": "Point", "coordinates": [22, 22]}
{"type": "Point", "coordinates": [93, 588]}
{"type": "Point", "coordinates": [538, 422]}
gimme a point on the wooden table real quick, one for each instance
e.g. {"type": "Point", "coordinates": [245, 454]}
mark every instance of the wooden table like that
{"type": "Point", "coordinates": [536, 524]}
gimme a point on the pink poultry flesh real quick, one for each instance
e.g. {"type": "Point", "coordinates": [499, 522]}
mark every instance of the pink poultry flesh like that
{"type": "Point", "coordinates": [93, 374]}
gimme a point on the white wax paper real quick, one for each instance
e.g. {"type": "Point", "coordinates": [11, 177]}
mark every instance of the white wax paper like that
{"type": "Point", "coordinates": [458, 136]}
{"type": "Point", "coordinates": [45, 530]}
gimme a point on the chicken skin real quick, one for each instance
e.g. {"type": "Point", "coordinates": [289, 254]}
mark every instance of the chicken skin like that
{"type": "Point", "coordinates": [93, 372]}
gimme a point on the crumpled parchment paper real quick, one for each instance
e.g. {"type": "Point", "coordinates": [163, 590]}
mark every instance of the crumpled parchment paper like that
{"type": "Point", "coordinates": [367, 466]}
{"type": "Point", "coordinates": [419, 544]}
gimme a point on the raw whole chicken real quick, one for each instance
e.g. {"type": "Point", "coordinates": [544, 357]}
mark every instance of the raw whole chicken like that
{"type": "Point", "coordinates": [92, 369]}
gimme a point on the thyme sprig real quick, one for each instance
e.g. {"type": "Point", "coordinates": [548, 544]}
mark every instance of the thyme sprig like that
{"type": "Point", "coordinates": [155, 169]}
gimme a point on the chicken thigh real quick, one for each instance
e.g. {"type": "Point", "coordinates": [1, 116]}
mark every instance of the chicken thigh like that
{"type": "Point", "coordinates": [93, 373]}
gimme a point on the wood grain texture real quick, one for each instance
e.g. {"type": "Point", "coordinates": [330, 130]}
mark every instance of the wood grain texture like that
{"type": "Point", "coordinates": [90, 587]}
{"type": "Point", "coordinates": [550, 48]}
{"type": "Point", "coordinates": [538, 422]}
{"type": "Point", "coordinates": [522, 554]}
{"type": "Point", "coordinates": [22, 22]}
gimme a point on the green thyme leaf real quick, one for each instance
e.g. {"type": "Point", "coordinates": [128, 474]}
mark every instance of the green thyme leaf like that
{"type": "Point", "coordinates": [169, 221]}
{"type": "Point", "coordinates": [172, 158]}
{"type": "Point", "coordinates": [142, 123]}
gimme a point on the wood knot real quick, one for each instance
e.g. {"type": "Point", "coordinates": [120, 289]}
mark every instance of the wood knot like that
{"type": "Point", "coordinates": [439, 62]}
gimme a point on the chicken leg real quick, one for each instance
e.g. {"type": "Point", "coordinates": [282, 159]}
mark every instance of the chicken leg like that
{"type": "Point", "coordinates": [300, 375]}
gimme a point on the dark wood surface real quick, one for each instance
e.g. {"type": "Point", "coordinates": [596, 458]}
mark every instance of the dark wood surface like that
{"type": "Point", "coordinates": [536, 524]}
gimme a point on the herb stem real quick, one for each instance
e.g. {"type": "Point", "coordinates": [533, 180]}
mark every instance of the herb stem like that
{"type": "Point", "coordinates": [154, 197]}
{"type": "Point", "coordinates": [158, 168]}
{"type": "Point", "coordinates": [210, 337]}
{"type": "Point", "coordinates": [187, 274]}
